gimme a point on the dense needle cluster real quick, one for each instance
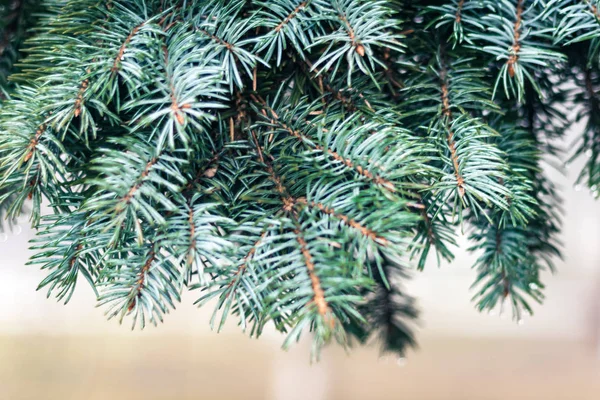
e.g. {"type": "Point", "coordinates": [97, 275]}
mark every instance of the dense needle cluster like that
{"type": "Point", "coordinates": [289, 160]}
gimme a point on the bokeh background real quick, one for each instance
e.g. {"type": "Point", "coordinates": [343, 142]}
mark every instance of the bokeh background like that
{"type": "Point", "coordinates": [51, 351]}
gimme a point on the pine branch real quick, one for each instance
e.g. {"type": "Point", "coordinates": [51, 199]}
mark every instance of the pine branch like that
{"type": "Point", "coordinates": [521, 44]}
{"type": "Point", "coordinates": [285, 157]}
{"type": "Point", "coordinates": [356, 38]}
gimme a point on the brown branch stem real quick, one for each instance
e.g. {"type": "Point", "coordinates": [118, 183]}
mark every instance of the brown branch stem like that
{"type": "Point", "coordinates": [136, 291]}
{"type": "Point", "coordinates": [459, 8]}
{"type": "Point", "coordinates": [118, 58]}
{"type": "Point", "coordinates": [360, 49]}
{"type": "Point", "coordinates": [79, 100]}
{"type": "Point", "coordinates": [516, 47]}
{"type": "Point", "coordinates": [290, 16]}
{"type": "Point", "coordinates": [336, 156]}
{"type": "Point", "coordinates": [34, 142]}
{"type": "Point", "coordinates": [347, 220]}
{"type": "Point", "coordinates": [447, 114]}
{"type": "Point", "coordinates": [319, 293]}
{"type": "Point", "coordinates": [217, 39]}
{"type": "Point", "coordinates": [140, 181]}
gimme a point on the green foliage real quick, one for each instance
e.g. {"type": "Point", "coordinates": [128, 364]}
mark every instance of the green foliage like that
{"type": "Point", "coordinates": [519, 37]}
{"type": "Point", "coordinates": [287, 161]}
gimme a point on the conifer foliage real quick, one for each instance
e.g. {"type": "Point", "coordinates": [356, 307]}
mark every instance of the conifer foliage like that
{"type": "Point", "coordinates": [290, 160]}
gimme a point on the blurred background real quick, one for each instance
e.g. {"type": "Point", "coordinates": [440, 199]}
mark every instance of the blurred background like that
{"type": "Point", "coordinates": [51, 351]}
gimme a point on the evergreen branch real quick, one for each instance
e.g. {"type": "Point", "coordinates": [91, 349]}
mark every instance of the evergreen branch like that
{"type": "Point", "coordinates": [523, 44]}
{"type": "Point", "coordinates": [228, 45]}
{"type": "Point", "coordinates": [244, 266]}
{"type": "Point", "coordinates": [31, 148]}
{"type": "Point", "coordinates": [290, 16]}
{"type": "Point", "coordinates": [63, 250]}
{"type": "Point", "coordinates": [357, 38]}
{"type": "Point", "coordinates": [440, 91]}
{"type": "Point", "coordinates": [287, 22]}
{"type": "Point", "coordinates": [513, 256]}
{"type": "Point", "coordinates": [359, 48]}
{"type": "Point", "coordinates": [434, 230]}
{"type": "Point", "coordinates": [577, 22]}
{"type": "Point", "coordinates": [143, 286]}
{"type": "Point", "coordinates": [186, 92]}
{"type": "Point", "coordinates": [285, 157]}
{"type": "Point", "coordinates": [122, 202]}
{"type": "Point", "coordinates": [364, 171]}
{"type": "Point", "coordinates": [459, 7]}
{"type": "Point", "coordinates": [457, 14]}
{"type": "Point", "coordinates": [347, 220]}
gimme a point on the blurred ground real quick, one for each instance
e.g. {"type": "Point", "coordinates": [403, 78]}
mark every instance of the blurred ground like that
{"type": "Point", "coordinates": [231, 367]}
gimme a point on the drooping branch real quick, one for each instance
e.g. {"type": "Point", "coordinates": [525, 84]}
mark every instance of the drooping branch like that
{"type": "Point", "coordinates": [505, 280]}
{"type": "Point", "coordinates": [289, 203]}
